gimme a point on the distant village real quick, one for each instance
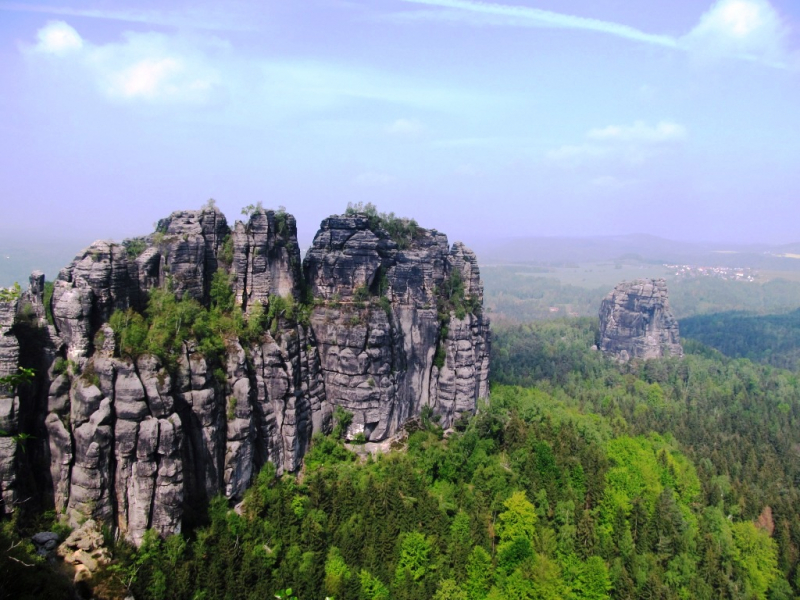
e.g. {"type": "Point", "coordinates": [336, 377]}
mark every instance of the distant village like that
{"type": "Point", "coordinates": [725, 273]}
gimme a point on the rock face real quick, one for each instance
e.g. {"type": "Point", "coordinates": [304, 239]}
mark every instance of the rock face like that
{"type": "Point", "coordinates": [377, 326]}
{"type": "Point", "coordinates": [637, 322]}
{"type": "Point", "coordinates": [379, 362]}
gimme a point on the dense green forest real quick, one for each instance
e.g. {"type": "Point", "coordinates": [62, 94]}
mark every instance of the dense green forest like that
{"type": "Point", "coordinates": [581, 479]}
{"type": "Point", "coordinates": [769, 339]}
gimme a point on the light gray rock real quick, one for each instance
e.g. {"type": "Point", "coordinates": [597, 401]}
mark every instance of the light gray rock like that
{"type": "Point", "coordinates": [72, 313]}
{"type": "Point", "coordinates": [61, 460]}
{"type": "Point", "coordinates": [140, 444]}
{"type": "Point", "coordinates": [8, 474]}
{"type": "Point", "coordinates": [91, 484]}
{"type": "Point", "coordinates": [266, 259]}
{"type": "Point", "coordinates": [378, 360]}
{"type": "Point", "coordinates": [636, 322]}
{"type": "Point", "coordinates": [188, 243]}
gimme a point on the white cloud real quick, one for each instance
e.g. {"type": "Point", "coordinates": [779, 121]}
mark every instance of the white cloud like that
{"type": "Point", "coordinates": [628, 144]}
{"type": "Point", "coordinates": [749, 29]}
{"type": "Point", "coordinates": [408, 128]}
{"type": "Point", "coordinates": [149, 67]}
{"type": "Point", "coordinates": [640, 133]}
{"type": "Point", "coordinates": [152, 78]}
{"type": "Point", "coordinates": [58, 38]}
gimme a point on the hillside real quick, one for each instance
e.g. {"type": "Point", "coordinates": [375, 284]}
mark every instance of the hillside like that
{"type": "Point", "coordinates": [768, 339]}
{"type": "Point", "coordinates": [672, 478]}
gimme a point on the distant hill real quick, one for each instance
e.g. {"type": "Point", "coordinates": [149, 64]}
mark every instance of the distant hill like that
{"type": "Point", "coordinates": [18, 259]}
{"type": "Point", "coordinates": [560, 251]}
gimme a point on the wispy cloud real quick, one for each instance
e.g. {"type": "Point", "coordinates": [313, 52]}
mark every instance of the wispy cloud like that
{"type": "Point", "coordinates": [744, 29]}
{"type": "Point", "coordinates": [535, 16]}
{"type": "Point", "coordinates": [183, 68]}
{"type": "Point", "coordinates": [630, 144]}
{"type": "Point", "coordinates": [220, 20]}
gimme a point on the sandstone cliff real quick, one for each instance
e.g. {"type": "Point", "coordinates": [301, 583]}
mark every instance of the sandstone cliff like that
{"type": "Point", "coordinates": [380, 325]}
{"type": "Point", "coordinates": [637, 322]}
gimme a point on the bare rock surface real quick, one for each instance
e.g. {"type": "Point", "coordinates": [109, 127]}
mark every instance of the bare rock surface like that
{"type": "Point", "coordinates": [84, 549]}
{"type": "Point", "coordinates": [381, 325]}
{"type": "Point", "coordinates": [636, 322]}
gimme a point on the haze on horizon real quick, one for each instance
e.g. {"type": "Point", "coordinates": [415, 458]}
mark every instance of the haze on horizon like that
{"type": "Point", "coordinates": [485, 120]}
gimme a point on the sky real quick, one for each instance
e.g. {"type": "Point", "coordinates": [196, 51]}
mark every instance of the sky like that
{"type": "Point", "coordinates": [485, 120]}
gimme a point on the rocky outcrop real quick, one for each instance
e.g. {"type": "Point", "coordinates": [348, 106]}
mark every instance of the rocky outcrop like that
{"type": "Point", "coordinates": [9, 402]}
{"type": "Point", "coordinates": [381, 325]}
{"type": "Point", "coordinates": [637, 322]}
{"type": "Point", "coordinates": [83, 549]}
{"type": "Point", "coordinates": [266, 258]}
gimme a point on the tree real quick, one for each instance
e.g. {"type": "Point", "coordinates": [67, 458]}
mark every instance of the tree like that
{"type": "Point", "coordinates": [757, 558]}
{"type": "Point", "coordinates": [479, 574]}
{"type": "Point", "coordinates": [337, 573]}
{"type": "Point", "coordinates": [449, 590]}
{"type": "Point", "coordinates": [594, 582]}
{"type": "Point", "coordinates": [518, 520]}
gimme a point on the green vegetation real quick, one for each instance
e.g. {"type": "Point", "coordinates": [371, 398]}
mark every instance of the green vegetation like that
{"type": "Point", "coordinates": [47, 299]}
{"type": "Point", "coordinates": [134, 247]}
{"type": "Point", "coordinates": [597, 480]}
{"type": "Point", "coordinates": [708, 295]}
{"type": "Point", "coordinates": [22, 376]}
{"type": "Point", "coordinates": [520, 294]}
{"type": "Point", "coordinates": [10, 294]}
{"type": "Point", "coordinates": [168, 322]}
{"type": "Point", "coordinates": [24, 575]}
{"type": "Point", "coordinates": [769, 339]}
{"type": "Point", "coordinates": [451, 297]}
{"type": "Point", "coordinates": [226, 251]}
{"type": "Point", "coordinates": [251, 209]}
{"type": "Point", "coordinates": [401, 230]}
{"type": "Point", "coordinates": [281, 222]}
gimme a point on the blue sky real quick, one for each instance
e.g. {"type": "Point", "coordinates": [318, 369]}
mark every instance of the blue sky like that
{"type": "Point", "coordinates": [482, 119]}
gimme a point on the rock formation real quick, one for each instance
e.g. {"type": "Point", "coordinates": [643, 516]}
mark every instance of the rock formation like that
{"type": "Point", "coordinates": [637, 322]}
{"type": "Point", "coordinates": [379, 325]}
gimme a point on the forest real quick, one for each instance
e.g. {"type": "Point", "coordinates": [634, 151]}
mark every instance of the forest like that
{"type": "Point", "coordinates": [770, 339]}
{"type": "Point", "coordinates": [580, 478]}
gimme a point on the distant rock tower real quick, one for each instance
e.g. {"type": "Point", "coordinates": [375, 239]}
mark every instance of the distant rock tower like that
{"type": "Point", "coordinates": [637, 322]}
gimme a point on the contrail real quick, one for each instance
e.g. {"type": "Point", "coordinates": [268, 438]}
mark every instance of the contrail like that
{"type": "Point", "coordinates": [150, 17]}
{"type": "Point", "coordinates": [554, 19]}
